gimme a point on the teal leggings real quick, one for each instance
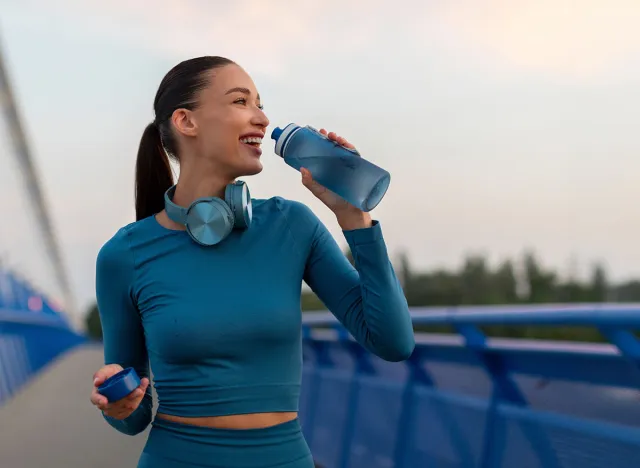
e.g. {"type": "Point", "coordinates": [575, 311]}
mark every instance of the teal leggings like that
{"type": "Point", "coordinates": [176, 445]}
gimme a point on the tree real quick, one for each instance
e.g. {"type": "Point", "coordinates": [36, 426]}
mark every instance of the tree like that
{"type": "Point", "coordinates": [404, 270]}
{"type": "Point", "coordinates": [599, 284]}
{"type": "Point", "coordinates": [475, 281]}
{"type": "Point", "coordinates": [504, 279]}
{"type": "Point", "coordinates": [541, 283]}
{"type": "Point", "coordinates": [626, 292]}
{"type": "Point", "coordinates": [94, 326]}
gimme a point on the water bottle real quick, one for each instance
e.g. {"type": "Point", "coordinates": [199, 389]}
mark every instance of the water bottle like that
{"type": "Point", "coordinates": [339, 169]}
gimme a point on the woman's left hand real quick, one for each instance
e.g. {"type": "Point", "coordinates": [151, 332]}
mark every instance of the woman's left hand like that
{"type": "Point", "coordinates": [349, 216]}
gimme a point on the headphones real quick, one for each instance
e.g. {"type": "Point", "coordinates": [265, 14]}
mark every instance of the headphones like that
{"type": "Point", "coordinates": [209, 220]}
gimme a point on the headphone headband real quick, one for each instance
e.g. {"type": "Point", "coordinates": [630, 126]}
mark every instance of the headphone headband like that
{"type": "Point", "coordinates": [209, 220]}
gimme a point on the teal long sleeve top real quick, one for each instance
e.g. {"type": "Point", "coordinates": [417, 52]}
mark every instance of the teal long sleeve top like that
{"type": "Point", "coordinates": [221, 326]}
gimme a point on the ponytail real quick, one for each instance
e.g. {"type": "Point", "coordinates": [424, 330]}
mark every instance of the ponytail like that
{"type": "Point", "coordinates": [179, 88]}
{"type": "Point", "coordinates": [153, 174]}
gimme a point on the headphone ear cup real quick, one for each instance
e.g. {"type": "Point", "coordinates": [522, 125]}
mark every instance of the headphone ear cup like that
{"type": "Point", "coordinates": [209, 221]}
{"type": "Point", "coordinates": [238, 198]}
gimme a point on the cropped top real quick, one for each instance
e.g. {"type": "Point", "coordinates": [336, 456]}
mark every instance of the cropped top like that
{"type": "Point", "coordinates": [220, 326]}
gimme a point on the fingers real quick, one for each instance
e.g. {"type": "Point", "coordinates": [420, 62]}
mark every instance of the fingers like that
{"type": "Point", "coordinates": [307, 179]}
{"type": "Point", "coordinates": [345, 143]}
{"type": "Point", "coordinates": [138, 393]}
{"type": "Point", "coordinates": [122, 408]}
{"type": "Point", "coordinates": [313, 186]}
{"type": "Point", "coordinates": [338, 139]}
{"type": "Point", "coordinates": [99, 400]}
{"type": "Point", "coordinates": [104, 373]}
{"type": "Point", "coordinates": [99, 378]}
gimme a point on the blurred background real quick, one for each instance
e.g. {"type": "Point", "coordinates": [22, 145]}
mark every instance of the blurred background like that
{"type": "Point", "coordinates": [508, 128]}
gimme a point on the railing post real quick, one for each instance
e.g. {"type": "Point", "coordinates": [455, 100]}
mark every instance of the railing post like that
{"type": "Point", "coordinates": [626, 342]}
{"type": "Point", "coordinates": [416, 376]}
{"type": "Point", "coordinates": [363, 367]}
{"type": "Point", "coordinates": [419, 376]}
{"type": "Point", "coordinates": [323, 361]}
{"type": "Point", "coordinates": [505, 389]}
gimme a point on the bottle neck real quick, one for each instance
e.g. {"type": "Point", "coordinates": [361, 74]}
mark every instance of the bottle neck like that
{"type": "Point", "coordinates": [285, 137]}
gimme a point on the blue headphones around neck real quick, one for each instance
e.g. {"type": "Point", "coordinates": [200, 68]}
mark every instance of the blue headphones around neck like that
{"type": "Point", "coordinates": [209, 220]}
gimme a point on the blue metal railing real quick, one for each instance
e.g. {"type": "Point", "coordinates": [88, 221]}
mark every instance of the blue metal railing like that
{"type": "Point", "coordinates": [466, 400]}
{"type": "Point", "coordinates": [461, 400]}
{"type": "Point", "coordinates": [32, 334]}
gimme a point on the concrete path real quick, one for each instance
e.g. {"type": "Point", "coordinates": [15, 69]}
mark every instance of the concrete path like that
{"type": "Point", "coordinates": [52, 424]}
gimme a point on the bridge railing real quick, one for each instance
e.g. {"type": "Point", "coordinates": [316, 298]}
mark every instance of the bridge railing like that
{"type": "Point", "coordinates": [32, 334]}
{"type": "Point", "coordinates": [467, 400]}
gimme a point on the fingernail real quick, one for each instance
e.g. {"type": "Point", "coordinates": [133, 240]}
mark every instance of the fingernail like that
{"type": "Point", "coordinates": [95, 380]}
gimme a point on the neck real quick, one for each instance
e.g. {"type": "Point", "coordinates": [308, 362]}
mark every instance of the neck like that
{"type": "Point", "coordinates": [196, 182]}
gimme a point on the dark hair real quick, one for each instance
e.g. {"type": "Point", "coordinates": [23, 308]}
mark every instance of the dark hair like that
{"type": "Point", "coordinates": [177, 90]}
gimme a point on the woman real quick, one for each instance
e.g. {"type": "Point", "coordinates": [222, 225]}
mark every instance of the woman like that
{"type": "Point", "coordinates": [220, 325]}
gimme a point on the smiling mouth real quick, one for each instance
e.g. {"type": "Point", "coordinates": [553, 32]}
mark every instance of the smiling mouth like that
{"type": "Point", "coordinates": [252, 141]}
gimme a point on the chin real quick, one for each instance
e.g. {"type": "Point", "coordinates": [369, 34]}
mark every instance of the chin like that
{"type": "Point", "coordinates": [255, 167]}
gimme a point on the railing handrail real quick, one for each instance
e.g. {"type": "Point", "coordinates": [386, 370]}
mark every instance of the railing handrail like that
{"type": "Point", "coordinates": [32, 318]}
{"type": "Point", "coordinates": [590, 314]}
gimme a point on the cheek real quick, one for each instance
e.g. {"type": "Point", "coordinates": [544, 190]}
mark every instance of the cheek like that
{"type": "Point", "coordinates": [220, 134]}
{"type": "Point", "coordinates": [231, 128]}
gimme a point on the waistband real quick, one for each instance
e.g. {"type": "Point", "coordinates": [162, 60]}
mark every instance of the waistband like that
{"type": "Point", "coordinates": [278, 433]}
{"type": "Point", "coordinates": [172, 443]}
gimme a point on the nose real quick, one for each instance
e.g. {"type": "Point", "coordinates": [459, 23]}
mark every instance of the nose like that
{"type": "Point", "coordinates": [260, 119]}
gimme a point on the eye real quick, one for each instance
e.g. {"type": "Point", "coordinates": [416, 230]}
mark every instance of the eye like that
{"type": "Point", "coordinates": [240, 101]}
{"type": "Point", "coordinates": [260, 106]}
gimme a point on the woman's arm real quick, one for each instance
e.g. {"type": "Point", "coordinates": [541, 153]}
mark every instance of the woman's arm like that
{"type": "Point", "coordinates": [368, 299]}
{"type": "Point", "coordinates": [122, 331]}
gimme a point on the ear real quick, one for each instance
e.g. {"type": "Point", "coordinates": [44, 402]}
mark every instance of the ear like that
{"type": "Point", "coordinates": [184, 122]}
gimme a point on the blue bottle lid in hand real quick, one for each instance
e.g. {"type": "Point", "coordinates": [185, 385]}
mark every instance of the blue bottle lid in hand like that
{"type": "Point", "coordinates": [120, 385]}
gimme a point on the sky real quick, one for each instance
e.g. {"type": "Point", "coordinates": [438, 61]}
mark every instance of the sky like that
{"type": "Point", "coordinates": [505, 124]}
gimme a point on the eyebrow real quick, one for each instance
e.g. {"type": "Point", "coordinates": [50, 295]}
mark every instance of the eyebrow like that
{"type": "Point", "coordinates": [240, 90]}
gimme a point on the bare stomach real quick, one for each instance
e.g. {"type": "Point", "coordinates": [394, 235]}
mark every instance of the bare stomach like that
{"type": "Point", "coordinates": [235, 421]}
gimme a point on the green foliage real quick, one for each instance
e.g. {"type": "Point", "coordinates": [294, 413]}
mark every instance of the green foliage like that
{"type": "Point", "coordinates": [94, 327]}
{"type": "Point", "coordinates": [310, 301]}
{"type": "Point", "coordinates": [476, 283]}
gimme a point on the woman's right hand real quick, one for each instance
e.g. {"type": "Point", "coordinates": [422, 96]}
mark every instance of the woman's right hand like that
{"type": "Point", "coordinates": [122, 408]}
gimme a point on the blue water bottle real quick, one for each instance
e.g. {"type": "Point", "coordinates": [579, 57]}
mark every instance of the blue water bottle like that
{"type": "Point", "coordinates": [341, 170]}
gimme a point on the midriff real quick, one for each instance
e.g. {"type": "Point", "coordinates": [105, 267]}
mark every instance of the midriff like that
{"type": "Point", "coordinates": [235, 421]}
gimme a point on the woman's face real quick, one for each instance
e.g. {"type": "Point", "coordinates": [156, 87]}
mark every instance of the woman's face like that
{"type": "Point", "coordinates": [228, 125]}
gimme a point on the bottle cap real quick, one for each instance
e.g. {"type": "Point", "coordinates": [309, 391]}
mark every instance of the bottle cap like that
{"type": "Point", "coordinates": [120, 385]}
{"type": "Point", "coordinates": [275, 134]}
{"type": "Point", "coordinates": [282, 135]}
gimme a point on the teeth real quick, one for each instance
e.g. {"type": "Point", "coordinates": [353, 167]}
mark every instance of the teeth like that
{"type": "Point", "coordinates": [257, 140]}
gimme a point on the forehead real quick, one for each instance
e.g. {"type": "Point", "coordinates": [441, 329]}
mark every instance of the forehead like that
{"type": "Point", "coordinates": [226, 78]}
